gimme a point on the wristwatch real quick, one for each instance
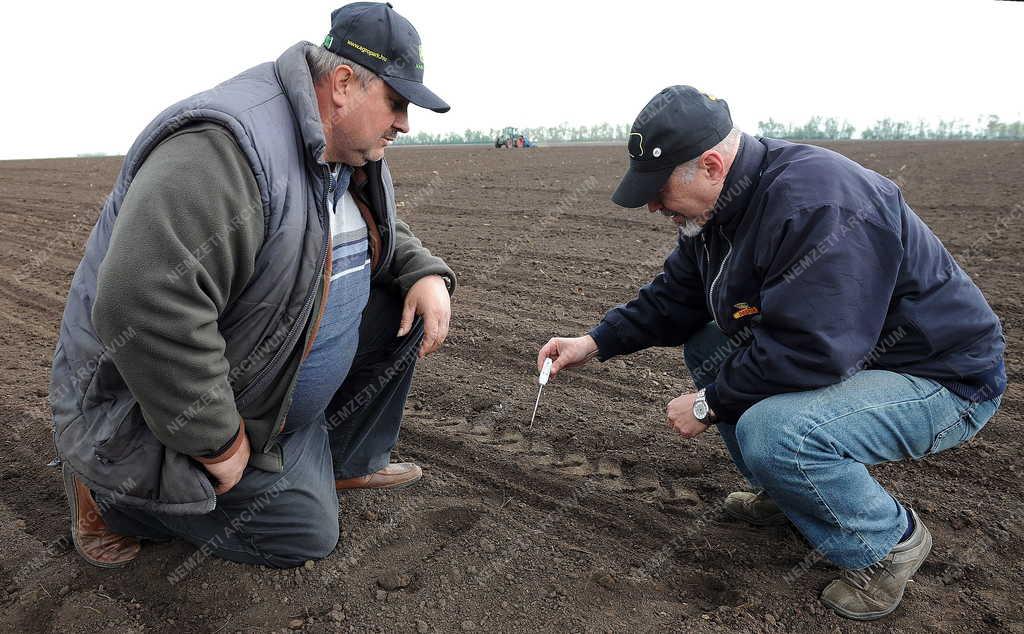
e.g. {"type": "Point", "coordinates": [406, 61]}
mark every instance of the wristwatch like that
{"type": "Point", "coordinates": [702, 411]}
{"type": "Point", "coordinates": [449, 283]}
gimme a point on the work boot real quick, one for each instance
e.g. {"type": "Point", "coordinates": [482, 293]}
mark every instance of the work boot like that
{"type": "Point", "coordinates": [97, 544]}
{"type": "Point", "coordinates": [873, 592]}
{"type": "Point", "coordinates": [394, 476]}
{"type": "Point", "coordinates": [754, 508]}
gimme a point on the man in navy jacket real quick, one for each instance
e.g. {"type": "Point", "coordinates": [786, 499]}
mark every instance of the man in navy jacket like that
{"type": "Point", "coordinates": [825, 325]}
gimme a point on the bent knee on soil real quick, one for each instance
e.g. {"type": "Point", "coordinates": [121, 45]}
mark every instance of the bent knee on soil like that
{"type": "Point", "coordinates": [312, 537]}
{"type": "Point", "coordinates": [295, 550]}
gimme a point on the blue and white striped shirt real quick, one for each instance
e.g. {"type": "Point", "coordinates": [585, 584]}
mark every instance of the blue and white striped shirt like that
{"type": "Point", "coordinates": [328, 363]}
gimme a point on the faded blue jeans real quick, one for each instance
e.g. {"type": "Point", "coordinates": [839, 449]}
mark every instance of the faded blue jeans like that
{"type": "Point", "coordinates": [808, 450]}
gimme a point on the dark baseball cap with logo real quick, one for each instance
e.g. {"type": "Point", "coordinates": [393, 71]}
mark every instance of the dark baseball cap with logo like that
{"type": "Point", "coordinates": [372, 34]}
{"type": "Point", "coordinates": [678, 125]}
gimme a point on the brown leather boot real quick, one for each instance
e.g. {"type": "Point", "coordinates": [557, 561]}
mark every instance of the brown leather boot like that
{"type": "Point", "coordinates": [97, 544]}
{"type": "Point", "coordinates": [393, 476]}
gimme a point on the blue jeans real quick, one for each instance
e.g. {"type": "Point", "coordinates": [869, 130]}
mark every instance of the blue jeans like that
{"type": "Point", "coordinates": [808, 450]}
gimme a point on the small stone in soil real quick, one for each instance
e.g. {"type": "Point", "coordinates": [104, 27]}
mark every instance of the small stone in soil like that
{"type": "Point", "coordinates": [603, 578]}
{"type": "Point", "coordinates": [393, 580]}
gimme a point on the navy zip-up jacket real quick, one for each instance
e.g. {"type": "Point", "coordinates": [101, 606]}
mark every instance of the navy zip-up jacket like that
{"type": "Point", "coordinates": [816, 268]}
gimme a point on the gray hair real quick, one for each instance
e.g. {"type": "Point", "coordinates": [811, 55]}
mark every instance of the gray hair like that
{"type": "Point", "coordinates": [322, 62]}
{"type": "Point", "coordinates": [727, 146]}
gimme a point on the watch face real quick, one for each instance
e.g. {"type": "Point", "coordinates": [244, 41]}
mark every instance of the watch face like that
{"type": "Point", "coordinates": [700, 410]}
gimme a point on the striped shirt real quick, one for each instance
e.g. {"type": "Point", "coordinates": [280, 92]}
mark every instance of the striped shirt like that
{"type": "Point", "coordinates": [349, 239]}
{"type": "Point", "coordinates": [325, 368]}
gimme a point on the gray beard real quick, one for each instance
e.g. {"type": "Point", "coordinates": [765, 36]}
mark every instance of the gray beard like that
{"type": "Point", "coordinates": [689, 228]}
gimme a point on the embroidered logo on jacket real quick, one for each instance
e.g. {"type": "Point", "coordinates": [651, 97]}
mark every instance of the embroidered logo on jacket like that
{"type": "Point", "coordinates": [744, 309]}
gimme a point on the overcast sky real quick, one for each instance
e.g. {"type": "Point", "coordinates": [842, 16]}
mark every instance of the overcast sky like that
{"type": "Point", "coordinates": [87, 76]}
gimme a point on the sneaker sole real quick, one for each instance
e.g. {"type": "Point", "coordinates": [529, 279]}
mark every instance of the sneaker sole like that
{"type": "Point", "coordinates": [861, 616]}
{"type": "Point", "coordinates": [69, 491]}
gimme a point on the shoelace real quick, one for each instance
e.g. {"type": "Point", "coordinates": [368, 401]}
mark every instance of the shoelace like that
{"type": "Point", "coordinates": [759, 494]}
{"type": "Point", "coordinates": [862, 578]}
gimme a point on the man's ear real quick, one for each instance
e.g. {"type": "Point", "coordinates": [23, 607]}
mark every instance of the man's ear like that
{"type": "Point", "coordinates": [714, 164]}
{"type": "Point", "coordinates": [343, 81]}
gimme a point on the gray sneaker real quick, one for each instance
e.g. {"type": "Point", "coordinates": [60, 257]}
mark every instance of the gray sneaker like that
{"type": "Point", "coordinates": [755, 508]}
{"type": "Point", "coordinates": [873, 592]}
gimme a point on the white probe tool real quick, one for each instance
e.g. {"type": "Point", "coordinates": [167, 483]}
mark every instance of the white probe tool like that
{"type": "Point", "coordinates": [543, 380]}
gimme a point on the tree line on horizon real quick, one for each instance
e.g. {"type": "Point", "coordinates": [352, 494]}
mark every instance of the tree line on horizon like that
{"type": "Point", "coordinates": [562, 133]}
{"type": "Point", "coordinates": [831, 129]}
{"type": "Point", "coordinates": [815, 129]}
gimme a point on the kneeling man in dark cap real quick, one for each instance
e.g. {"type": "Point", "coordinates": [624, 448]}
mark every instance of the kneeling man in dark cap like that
{"type": "Point", "coordinates": [240, 337]}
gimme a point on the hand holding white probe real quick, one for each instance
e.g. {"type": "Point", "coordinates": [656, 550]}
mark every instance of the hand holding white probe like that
{"type": "Point", "coordinates": [560, 353]}
{"type": "Point", "coordinates": [566, 352]}
{"type": "Point", "coordinates": [542, 380]}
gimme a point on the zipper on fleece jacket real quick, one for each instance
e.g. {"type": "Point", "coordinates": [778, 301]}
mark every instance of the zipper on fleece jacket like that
{"type": "Point", "coordinates": [721, 269]}
{"type": "Point", "coordinates": [325, 223]}
{"type": "Point", "coordinates": [246, 394]}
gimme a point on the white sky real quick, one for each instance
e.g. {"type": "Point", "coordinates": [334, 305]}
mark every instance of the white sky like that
{"type": "Point", "coordinates": [87, 76]}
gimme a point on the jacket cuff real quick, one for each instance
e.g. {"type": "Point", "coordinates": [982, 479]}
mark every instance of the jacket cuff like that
{"type": "Point", "coordinates": [715, 403]}
{"type": "Point", "coordinates": [608, 344]}
{"type": "Point", "coordinates": [227, 451]}
{"type": "Point", "coordinates": [406, 282]}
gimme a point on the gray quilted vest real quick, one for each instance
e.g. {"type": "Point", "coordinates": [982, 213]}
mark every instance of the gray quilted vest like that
{"type": "Point", "coordinates": [99, 430]}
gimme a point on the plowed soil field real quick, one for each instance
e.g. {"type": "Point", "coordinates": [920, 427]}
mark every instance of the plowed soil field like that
{"type": "Point", "coordinates": [598, 518]}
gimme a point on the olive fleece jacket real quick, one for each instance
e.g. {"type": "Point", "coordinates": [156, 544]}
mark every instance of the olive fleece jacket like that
{"type": "Point", "coordinates": [183, 248]}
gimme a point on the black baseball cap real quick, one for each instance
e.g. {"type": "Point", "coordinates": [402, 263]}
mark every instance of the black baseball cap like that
{"type": "Point", "coordinates": [372, 34]}
{"type": "Point", "coordinates": [679, 124]}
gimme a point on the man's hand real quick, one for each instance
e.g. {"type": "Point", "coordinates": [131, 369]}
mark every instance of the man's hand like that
{"type": "Point", "coordinates": [567, 352]}
{"type": "Point", "coordinates": [227, 474]}
{"type": "Point", "coordinates": [680, 416]}
{"type": "Point", "coordinates": [429, 298]}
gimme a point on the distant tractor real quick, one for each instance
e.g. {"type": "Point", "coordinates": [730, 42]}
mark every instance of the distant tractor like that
{"type": "Point", "coordinates": [511, 137]}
